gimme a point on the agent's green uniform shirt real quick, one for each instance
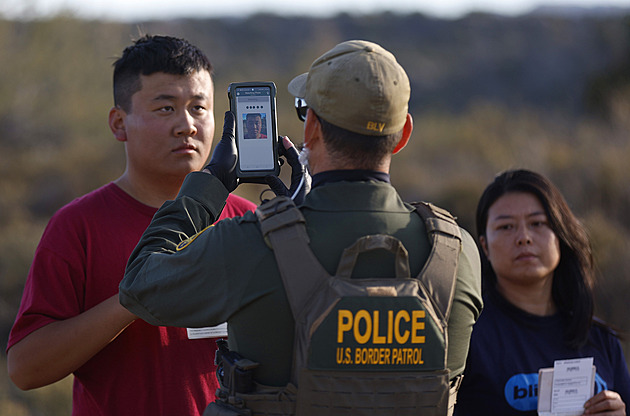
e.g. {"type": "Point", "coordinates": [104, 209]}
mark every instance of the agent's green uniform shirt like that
{"type": "Point", "coordinates": [185, 272]}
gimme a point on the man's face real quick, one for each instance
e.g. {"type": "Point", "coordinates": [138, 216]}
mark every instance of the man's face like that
{"type": "Point", "coordinates": [254, 126]}
{"type": "Point", "coordinates": [170, 126]}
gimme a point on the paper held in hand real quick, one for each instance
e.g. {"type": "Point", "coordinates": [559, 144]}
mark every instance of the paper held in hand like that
{"type": "Point", "coordinates": [563, 389]}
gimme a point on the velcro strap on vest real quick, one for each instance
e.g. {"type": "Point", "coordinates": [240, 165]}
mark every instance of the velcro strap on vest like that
{"type": "Point", "coordinates": [372, 242]}
{"type": "Point", "coordinates": [288, 229]}
{"type": "Point", "coordinates": [271, 222]}
{"type": "Point", "coordinates": [455, 384]}
{"type": "Point", "coordinates": [446, 242]}
{"type": "Point", "coordinates": [399, 393]}
{"type": "Point", "coordinates": [443, 222]}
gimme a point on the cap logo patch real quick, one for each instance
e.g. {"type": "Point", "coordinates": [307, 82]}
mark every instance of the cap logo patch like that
{"type": "Point", "coordinates": [374, 126]}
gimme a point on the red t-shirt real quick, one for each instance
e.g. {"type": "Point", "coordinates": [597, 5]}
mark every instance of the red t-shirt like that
{"type": "Point", "coordinates": [80, 260]}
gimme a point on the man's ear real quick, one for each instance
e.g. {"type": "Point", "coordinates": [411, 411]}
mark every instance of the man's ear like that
{"type": "Point", "coordinates": [312, 128]}
{"type": "Point", "coordinates": [117, 123]}
{"type": "Point", "coordinates": [406, 134]}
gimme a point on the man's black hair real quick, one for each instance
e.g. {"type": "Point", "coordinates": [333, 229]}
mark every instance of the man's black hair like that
{"type": "Point", "coordinates": [359, 150]}
{"type": "Point", "coordinates": [150, 54]}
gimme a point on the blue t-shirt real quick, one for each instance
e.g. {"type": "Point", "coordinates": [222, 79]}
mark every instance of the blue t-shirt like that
{"type": "Point", "coordinates": [509, 345]}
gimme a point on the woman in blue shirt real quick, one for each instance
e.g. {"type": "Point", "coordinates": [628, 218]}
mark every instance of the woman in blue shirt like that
{"type": "Point", "coordinates": [538, 294]}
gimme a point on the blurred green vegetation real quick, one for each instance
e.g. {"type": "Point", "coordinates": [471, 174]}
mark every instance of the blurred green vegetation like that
{"type": "Point", "coordinates": [488, 93]}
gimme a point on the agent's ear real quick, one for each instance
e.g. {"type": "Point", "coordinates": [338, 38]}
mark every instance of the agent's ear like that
{"type": "Point", "coordinates": [117, 123]}
{"type": "Point", "coordinates": [312, 129]}
{"type": "Point", "coordinates": [406, 134]}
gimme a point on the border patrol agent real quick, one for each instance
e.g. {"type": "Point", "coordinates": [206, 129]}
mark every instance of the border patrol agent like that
{"type": "Point", "coordinates": [353, 303]}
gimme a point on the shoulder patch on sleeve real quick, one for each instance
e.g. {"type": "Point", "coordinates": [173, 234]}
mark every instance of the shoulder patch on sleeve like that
{"type": "Point", "coordinates": [182, 245]}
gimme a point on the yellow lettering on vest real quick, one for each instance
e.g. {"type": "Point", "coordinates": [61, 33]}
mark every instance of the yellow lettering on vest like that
{"type": "Point", "coordinates": [374, 356]}
{"type": "Point", "coordinates": [406, 356]}
{"type": "Point", "coordinates": [365, 337]}
{"type": "Point", "coordinates": [401, 338]}
{"type": "Point", "coordinates": [417, 325]}
{"type": "Point", "coordinates": [344, 323]}
{"type": "Point", "coordinates": [344, 356]}
{"type": "Point", "coordinates": [397, 356]}
{"type": "Point", "coordinates": [402, 326]}
{"type": "Point", "coordinates": [377, 339]}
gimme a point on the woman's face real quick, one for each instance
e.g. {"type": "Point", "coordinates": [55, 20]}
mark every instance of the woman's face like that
{"type": "Point", "coordinates": [520, 245]}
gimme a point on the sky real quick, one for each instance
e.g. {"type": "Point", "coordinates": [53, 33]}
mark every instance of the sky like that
{"type": "Point", "coordinates": [129, 10]}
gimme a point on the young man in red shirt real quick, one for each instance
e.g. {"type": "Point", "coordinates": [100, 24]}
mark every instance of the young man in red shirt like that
{"type": "Point", "coordinates": [70, 320]}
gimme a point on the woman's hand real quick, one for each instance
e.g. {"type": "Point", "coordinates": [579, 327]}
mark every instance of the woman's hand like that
{"type": "Point", "coordinates": [605, 403]}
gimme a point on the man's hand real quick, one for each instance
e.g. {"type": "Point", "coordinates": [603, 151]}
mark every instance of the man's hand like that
{"type": "Point", "coordinates": [223, 162]}
{"type": "Point", "coordinates": [300, 179]}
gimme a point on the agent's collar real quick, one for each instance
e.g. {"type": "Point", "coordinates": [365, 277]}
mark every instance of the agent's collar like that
{"type": "Point", "coordinates": [357, 175]}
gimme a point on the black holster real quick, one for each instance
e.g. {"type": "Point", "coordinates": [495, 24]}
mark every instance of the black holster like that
{"type": "Point", "coordinates": [235, 375]}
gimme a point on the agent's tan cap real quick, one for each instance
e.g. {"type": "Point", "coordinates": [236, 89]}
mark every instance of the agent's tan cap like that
{"type": "Point", "coordinates": [358, 86]}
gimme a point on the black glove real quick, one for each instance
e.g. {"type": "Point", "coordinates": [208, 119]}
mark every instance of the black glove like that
{"type": "Point", "coordinates": [300, 178]}
{"type": "Point", "coordinates": [223, 162]}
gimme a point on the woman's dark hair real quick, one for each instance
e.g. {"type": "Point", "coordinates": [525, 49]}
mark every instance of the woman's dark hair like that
{"type": "Point", "coordinates": [359, 150]}
{"type": "Point", "coordinates": [573, 279]}
{"type": "Point", "coordinates": [150, 54]}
